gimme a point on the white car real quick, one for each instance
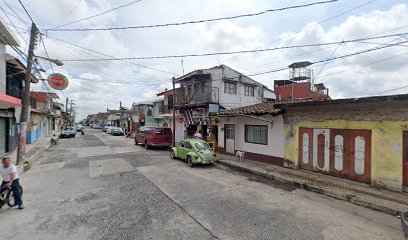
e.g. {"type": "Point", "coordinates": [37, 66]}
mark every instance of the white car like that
{"type": "Point", "coordinates": [68, 131]}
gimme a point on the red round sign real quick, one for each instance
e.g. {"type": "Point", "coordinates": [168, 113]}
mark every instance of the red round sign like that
{"type": "Point", "coordinates": [58, 81]}
{"type": "Point", "coordinates": [181, 120]}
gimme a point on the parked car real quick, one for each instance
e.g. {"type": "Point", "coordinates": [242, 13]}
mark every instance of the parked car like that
{"type": "Point", "coordinates": [154, 137]}
{"type": "Point", "coordinates": [96, 126]}
{"type": "Point", "coordinates": [109, 130]}
{"type": "Point", "coordinates": [404, 222]}
{"type": "Point", "coordinates": [117, 131]}
{"type": "Point", "coordinates": [193, 151]}
{"type": "Point", "coordinates": [68, 131]}
{"type": "Point", "coordinates": [106, 128]}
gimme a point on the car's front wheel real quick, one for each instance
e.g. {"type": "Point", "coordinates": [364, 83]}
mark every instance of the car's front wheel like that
{"type": "Point", "coordinates": [172, 154]}
{"type": "Point", "coordinates": [136, 142]}
{"type": "Point", "coordinates": [190, 161]}
{"type": "Point", "coordinates": [146, 146]}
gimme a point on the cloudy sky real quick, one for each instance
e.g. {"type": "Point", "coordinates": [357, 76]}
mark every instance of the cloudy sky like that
{"type": "Point", "coordinates": [97, 85]}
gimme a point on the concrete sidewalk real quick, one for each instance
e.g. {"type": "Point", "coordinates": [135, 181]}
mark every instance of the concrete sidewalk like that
{"type": "Point", "coordinates": [354, 192]}
{"type": "Point", "coordinates": [33, 151]}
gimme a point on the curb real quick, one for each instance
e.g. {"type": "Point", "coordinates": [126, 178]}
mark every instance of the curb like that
{"type": "Point", "coordinates": [32, 159]}
{"type": "Point", "coordinates": [348, 196]}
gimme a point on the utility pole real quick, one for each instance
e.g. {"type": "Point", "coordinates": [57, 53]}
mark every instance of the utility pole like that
{"type": "Point", "coordinates": [22, 138]}
{"type": "Point", "coordinates": [174, 111]}
{"type": "Point", "coordinates": [121, 114]}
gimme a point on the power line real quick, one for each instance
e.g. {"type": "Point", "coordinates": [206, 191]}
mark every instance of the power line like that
{"type": "Point", "coordinates": [69, 13]}
{"type": "Point", "coordinates": [234, 52]}
{"type": "Point", "coordinates": [331, 59]}
{"type": "Point", "coordinates": [364, 65]}
{"type": "Point", "coordinates": [106, 55]}
{"type": "Point", "coordinates": [96, 15]}
{"type": "Point", "coordinates": [25, 9]}
{"type": "Point", "coordinates": [196, 21]}
{"type": "Point", "coordinates": [310, 26]}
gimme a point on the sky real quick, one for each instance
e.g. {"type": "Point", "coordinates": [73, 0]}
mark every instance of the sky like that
{"type": "Point", "coordinates": [98, 85]}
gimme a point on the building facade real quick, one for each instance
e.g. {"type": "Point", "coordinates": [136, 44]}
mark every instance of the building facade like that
{"type": "Point", "coordinates": [216, 89]}
{"type": "Point", "coordinates": [362, 139]}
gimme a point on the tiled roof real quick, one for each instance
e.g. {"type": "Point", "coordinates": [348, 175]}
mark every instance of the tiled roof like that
{"type": "Point", "coordinates": [257, 109]}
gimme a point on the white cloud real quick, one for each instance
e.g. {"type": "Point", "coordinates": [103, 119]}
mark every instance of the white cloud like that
{"type": "Point", "coordinates": [98, 85]}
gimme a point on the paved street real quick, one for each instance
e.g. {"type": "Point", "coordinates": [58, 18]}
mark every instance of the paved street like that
{"type": "Point", "coordinates": [99, 186]}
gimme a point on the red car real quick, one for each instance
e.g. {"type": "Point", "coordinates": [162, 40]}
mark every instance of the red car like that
{"type": "Point", "coordinates": [154, 137]}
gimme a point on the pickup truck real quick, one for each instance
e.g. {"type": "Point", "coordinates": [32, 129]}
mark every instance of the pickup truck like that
{"type": "Point", "coordinates": [68, 132]}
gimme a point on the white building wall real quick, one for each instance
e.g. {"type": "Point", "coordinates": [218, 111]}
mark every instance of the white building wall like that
{"type": "Point", "coordinates": [220, 75]}
{"type": "Point", "coordinates": [275, 145]}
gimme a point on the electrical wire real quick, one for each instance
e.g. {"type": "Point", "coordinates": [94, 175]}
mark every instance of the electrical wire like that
{"type": "Point", "coordinates": [97, 15]}
{"type": "Point", "coordinates": [234, 52]}
{"type": "Point", "coordinates": [310, 26]}
{"type": "Point", "coordinates": [25, 9]}
{"type": "Point", "coordinates": [110, 56]}
{"type": "Point", "coordinates": [332, 59]}
{"type": "Point", "coordinates": [69, 13]}
{"type": "Point", "coordinates": [197, 21]}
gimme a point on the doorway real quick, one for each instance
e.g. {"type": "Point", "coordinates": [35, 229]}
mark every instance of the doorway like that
{"type": "Point", "coordinates": [229, 131]}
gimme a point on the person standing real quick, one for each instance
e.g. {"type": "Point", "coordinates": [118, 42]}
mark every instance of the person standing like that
{"type": "Point", "coordinates": [8, 172]}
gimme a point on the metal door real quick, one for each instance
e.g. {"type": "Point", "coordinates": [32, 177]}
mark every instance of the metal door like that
{"type": "Point", "coordinates": [229, 131]}
{"type": "Point", "coordinates": [306, 148]}
{"type": "Point", "coordinates": [359, 148]}
{"type": "Point", "coordinates": [405, 161]}
{"type": "Point", "coordinates": [339, 152]}
{"type": "Point", "coordinates": [321, 151]}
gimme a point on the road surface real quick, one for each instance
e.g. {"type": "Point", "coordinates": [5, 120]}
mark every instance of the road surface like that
{"type": "Point", "coordinates": [99, 186]}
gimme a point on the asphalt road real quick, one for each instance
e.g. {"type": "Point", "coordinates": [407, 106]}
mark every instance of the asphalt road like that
{"type": "Point", "coordinates": [99, 186]}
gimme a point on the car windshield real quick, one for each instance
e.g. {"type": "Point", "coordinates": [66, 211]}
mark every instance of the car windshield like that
{"type": "Point", "coordinates": [68, 128]}
{"type": "Point", "coordinates": [202, 146]}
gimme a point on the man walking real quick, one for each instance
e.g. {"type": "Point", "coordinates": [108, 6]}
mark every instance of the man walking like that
{"type": "Point", "coordinates": [8, 172]}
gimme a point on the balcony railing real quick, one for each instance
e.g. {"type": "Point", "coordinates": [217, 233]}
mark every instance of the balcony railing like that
{"type": "Point", "coordinates": [186, 95]}
{"type": "Point", "coordinates": [165, 109]}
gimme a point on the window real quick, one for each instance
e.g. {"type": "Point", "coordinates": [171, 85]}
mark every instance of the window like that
{"type": "Point", "coordinates": [256, 134]}
{"type": "Point", "coordinates": [249, 90]}
{"type": "Point", "coordinates": [159, 131]}
{"type": "Point", "coordinates": [187, 145]}
{"type": "Point", "coordinates": [181, 144]}
{"type": "Point", "coordinates": [229, 131]}
{"type": "Point", "coordinates": [230, 88]}
{"type": "Point", "coordinates": [202, 146]}
{"type": "Point", "coordinates": [167, 131]}
{"type": "Point", "coordinates": [149, 111]}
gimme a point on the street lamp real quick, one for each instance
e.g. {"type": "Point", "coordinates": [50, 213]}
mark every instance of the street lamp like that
{"type": "Point", "coordinates": [55, 61]}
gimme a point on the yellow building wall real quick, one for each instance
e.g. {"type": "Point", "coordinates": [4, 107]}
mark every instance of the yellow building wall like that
{"type": "Point", "coordinates": [386, 147]}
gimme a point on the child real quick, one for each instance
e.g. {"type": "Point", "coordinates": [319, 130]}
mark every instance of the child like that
{"type": "Point", "coordinates": [54, 139]}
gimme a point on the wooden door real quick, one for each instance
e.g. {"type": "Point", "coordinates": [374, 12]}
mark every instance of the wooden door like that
{"type": "Point", "coordinates": [405, 161]}
{"type": "Point", "coordinates": [359, 147]}
{"type": "Point", "coordinates": [306, 148]}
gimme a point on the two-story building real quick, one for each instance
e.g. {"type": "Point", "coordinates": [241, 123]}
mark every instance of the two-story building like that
{"type": "Point", "coordinates": [10, 98]}
{"type": "Point", "coordinates": [215, 89]}
{"type": "Point", "coordinates": [42, 121]}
